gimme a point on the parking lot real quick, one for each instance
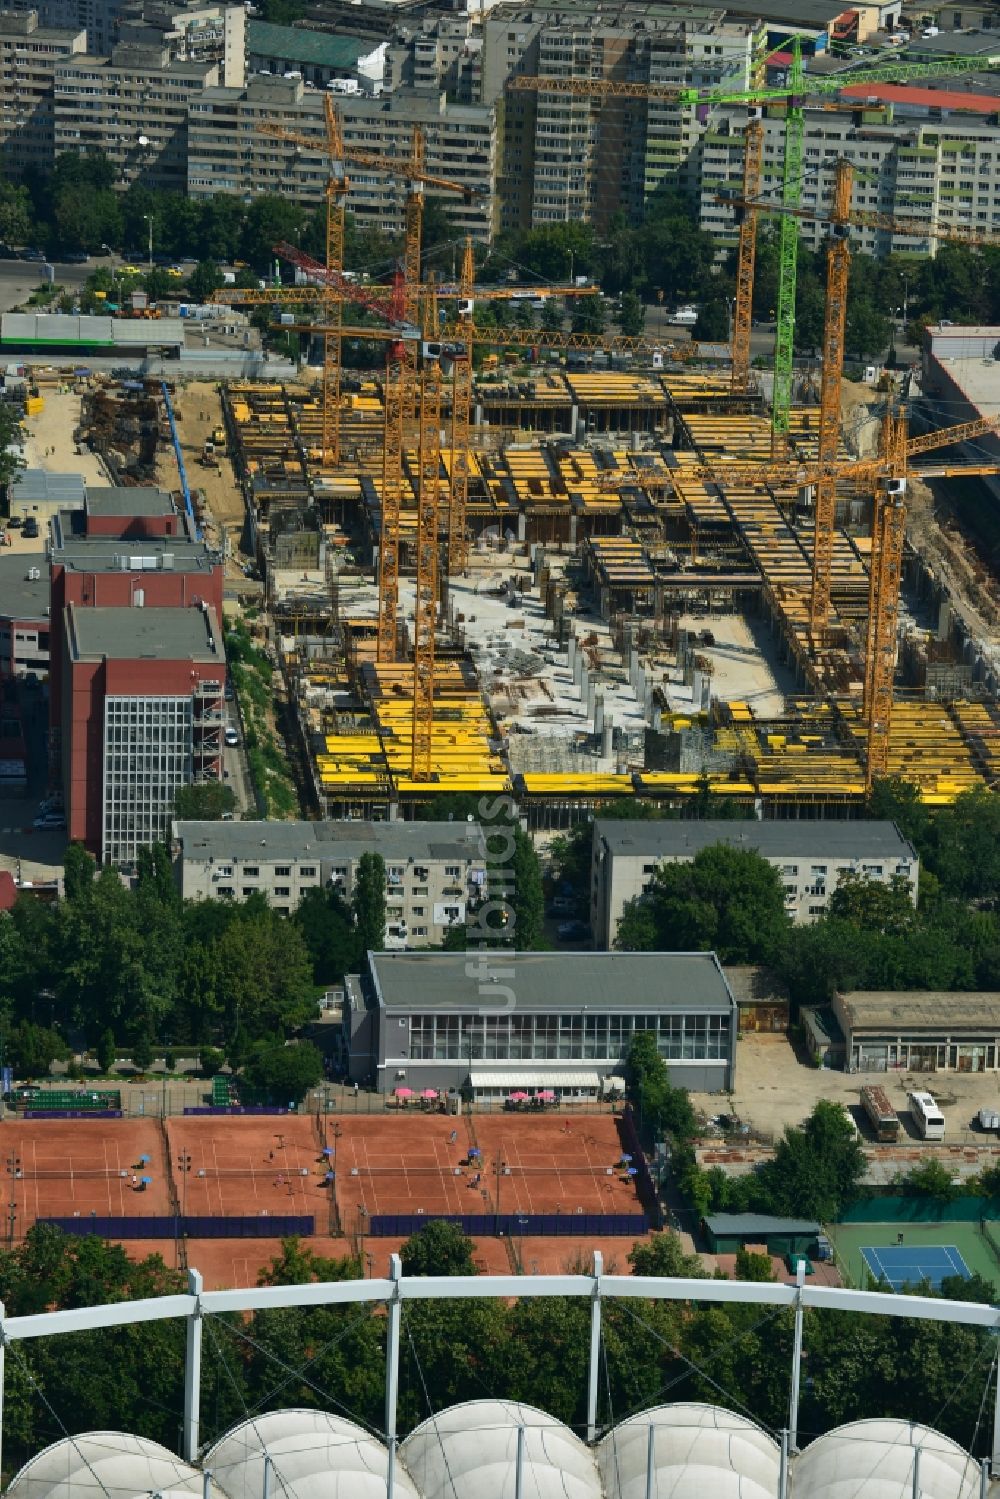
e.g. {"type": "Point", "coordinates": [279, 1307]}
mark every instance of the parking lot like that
{"type": "Point", "coordinates": [774, 1088]}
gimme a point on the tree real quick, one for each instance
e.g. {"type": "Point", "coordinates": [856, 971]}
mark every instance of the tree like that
{"type": "Point", "coordinates": [79, 869]}
{"type": "Point", "coordinates": [588, 315]}
{"type": "Point", "coordinates": [11, 438]}
{"type": "Point", "coordinates": [299, 1265]}
{"type": "Point", "coordinates": [142, 1052]}
{"type": "Point", "coordinates": [205, 802]}
{"type": "Point", "coordinates": [205, 279]}
{"type": "Point", "coordinates": [281, 1074]}
{"type": "Point", "coordinates": [107, 1051]}
{"type": "Point", "coordinates": [663, 1254]}
{"type": "Point", "coordinates": [662, 1108]}
{"type": "Point", "coordinates": [368, 903]}
{"type": "Point", "coordinates": [815, 1171]}
{"type": "Point", "coordinates": [726, 899]}
{"type": "Point", "coordinates": [33, 1048]}
{"type": "Point", "coordinates": [713, 321]}
{"type": "Point", "coordinates": [15, 214]}
{"type": "Point", "coordinates": [871, 905]}
{"type": "Point", "coordinates": [929, 1178]}
{"type": "Point", "coordinates": [527, 899]}
{"type": "Point", "coordinates": [439, 1248]}
{"type": "Point", "coordinates": [324, 919]}
{"type": "Point", "coordinates": [631, 314]}
{"type": "Point", "coordinates": [751, 1265]}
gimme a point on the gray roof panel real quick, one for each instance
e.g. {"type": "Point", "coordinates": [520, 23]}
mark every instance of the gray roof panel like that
{"type": "Point", "coordinates": [22, 597]}
{"type": "Point", "coordinates": [551, 981]}
{"type": "Point", "coordinates": [833, 839]}
{"type": "Point", "coordinates": [397, 842]}
{"type": "Point", "coordinates": [141, 634]}
{"type": "Point", "coordinates": [723, 1225]}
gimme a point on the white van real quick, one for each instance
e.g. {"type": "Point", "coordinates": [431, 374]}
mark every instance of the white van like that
{"type": "Point", "coordinates": [685, 317]}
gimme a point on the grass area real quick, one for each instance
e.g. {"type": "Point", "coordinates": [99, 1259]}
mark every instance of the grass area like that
{"type": "Point", "coordinates": [968, 1238]}
{"type": "Point", "coordinates": [252, 675]}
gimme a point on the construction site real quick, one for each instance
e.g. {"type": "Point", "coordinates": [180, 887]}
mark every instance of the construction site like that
{"type": "Point", "coordinates": [570, 567]}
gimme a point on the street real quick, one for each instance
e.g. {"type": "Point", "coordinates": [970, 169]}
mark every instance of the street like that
{"type": "Point", "coordinates": [18, 279]}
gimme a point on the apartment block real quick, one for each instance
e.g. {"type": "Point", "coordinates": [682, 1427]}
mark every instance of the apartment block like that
{"type": "Point", "coordinates": [919, 153]}
{"type": "Point", "coordinates": [191, 32]}
{"type": "Point", "coordinates": [433, 870]}
{"type": "Point", "coordinates": [133, 106]}
{"type": "Point", "coordinates": [227, 153]}
{"type": "Point", "coordinates": [809, 856]}
{"type": "Point", "coordinates": [29, 56]}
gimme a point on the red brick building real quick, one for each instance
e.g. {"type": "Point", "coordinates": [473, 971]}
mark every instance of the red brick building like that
{"type": "Point", "coordinates": [142, 713]}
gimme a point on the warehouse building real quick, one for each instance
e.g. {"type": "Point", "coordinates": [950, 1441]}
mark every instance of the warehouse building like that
{"type": "Point", "coordinates": [919, 1031]}
{"type": "Point", "coordinates": [809, 856]}
{"type": "Point", "coordinates": [503, 1022]}
{"type": "Point", "coordinates": [432, 869]}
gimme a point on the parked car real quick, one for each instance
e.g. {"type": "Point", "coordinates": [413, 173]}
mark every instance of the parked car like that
{"type": "Point", "coordinates": [32, 254]}
{"type": "Point", "coordinates": [50, 822]}
{"type": "Point", "coordinates": [232, 738]}
{"type": "Point", "coordinates": [572, 931]}
{"type": "Point", "coordinates": [76, 257]}
{"type": "Point", "coordinates": [30, 528]}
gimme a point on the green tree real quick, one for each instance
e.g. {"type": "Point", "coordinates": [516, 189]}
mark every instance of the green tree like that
{"type": "Point", "coordinates": [930, 1178]}
{"type": "Point", "coordinates": [713, 321]}
{"type": "Point", "coordinates": [324, 919]}
{"type": "Point", "coordinates": [280, 1074]}
{"type": "Point", "coordinates": [11, 438]}
{"type": "Point", "coordinates": [631, 314]}
{"type": "Point", "coordinates": [205, 802]}
{"type": "Point", "coordinates": [815, 1171]}
{"type": "Point", "coordinates": [79, 869]}
{"type": "Point", "coordinates": [527, 899]}
{"type": "Point", "coordinates": [726, 899]}
{"type": "Point", "coordinates": [368, 903]}
{"type": "Point", "coordinates": [663, 1254]}
{"type": "Point", "coordinates": [107, 1051]}
{"type": "Point", "coordinates": [33, 1048]}
{"type": "Point", "coordinates": [588, 315]}
{"type": "Point", "coordinates": [15, 214]}
{"type": "Point", "coordinates": [205, 279]}
{"type": "Point", "coordinates": [662, 1108]}
{"type": "Point", "coordinates": [299, 1265]}
{"type": "Point", "coordinates": [439, 1248]}
{"type": "Point", "coordinates": [751, 1265]}
{"type": "Point", "coordinates": [142, 1052]}
{"type": "Point", "coordinates": [872, 905]}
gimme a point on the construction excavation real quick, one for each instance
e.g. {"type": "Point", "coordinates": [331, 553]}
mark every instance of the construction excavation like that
{"type": "Point", "coordinates": [570, 567]}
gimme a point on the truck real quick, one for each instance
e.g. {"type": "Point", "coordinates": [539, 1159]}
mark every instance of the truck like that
{"type": "Point", "coordinates": [882, 1116]}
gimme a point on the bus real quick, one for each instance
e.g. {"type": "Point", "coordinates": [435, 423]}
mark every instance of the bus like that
{"type": "Point", "coordinates": [881, 1115]}
{"type": "Point", "coordinates": [927, 1116]}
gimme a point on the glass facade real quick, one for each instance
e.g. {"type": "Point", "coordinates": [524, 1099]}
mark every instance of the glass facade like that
{"type": "Point", "coordinates": [571, 1037]}
{"type": "Point", "coordinates": [148, 756]}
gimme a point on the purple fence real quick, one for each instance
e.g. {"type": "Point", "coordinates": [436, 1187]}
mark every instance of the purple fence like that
{"type": "Point", "coordinates": [256, 1108]}
{"type": "Point", "coordinates": [644, 1184]}
{"type": "Point", "coordinates": [193, 1226]}
{"type": "Point", "coordinates": [72, 1114]}
{"type": "Point", "coordinates": [513, 1225]}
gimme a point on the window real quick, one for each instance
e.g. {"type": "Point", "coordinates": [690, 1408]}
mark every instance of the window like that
{"type": "Point", "coordinates": [251, 872]}
{"type": "Point", "coordinates": [790, 870]}
{"type": "Point", "coordinates": [282, 892]}
{"type": "Point", "coordinates": [307, 872]}
{"type": "Point", "coordinates": [818, 870]}
{"type": "Point", "coordinates": [249, 890]}
{"type": "Point", "coordinates": [419, 911]}
{"type": "Point", "coordinates": [453, 871]}
{"type": "Point", "coordinates": [282, 871]}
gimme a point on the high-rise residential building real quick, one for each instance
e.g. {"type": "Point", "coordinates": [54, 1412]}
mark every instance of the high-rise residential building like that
{"type": "Point", "coordinates": [919, 153]}
{"type": "Point", "coordinates": [143, 712]}
{"type": "Point", "coordinates": [227, 153]}
{"type": "Point", "coordinates": [29, 55]}
{"type": "Point", "coordinates": [133, 106]}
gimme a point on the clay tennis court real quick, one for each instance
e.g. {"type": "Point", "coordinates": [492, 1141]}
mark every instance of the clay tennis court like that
{"type": "Point", "coordinates": [56, 1168]}
{"type": "Point", "coordinates": [241, 1166]}
{"type": "Point", "coordinates": [532, 1164]}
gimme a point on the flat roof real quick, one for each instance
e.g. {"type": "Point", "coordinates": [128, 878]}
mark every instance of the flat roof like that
{"type": "Point", "coordinates": [36, 486]}
{"type": "Point", "coordinates": [61, 328]}
{"type": "Point", "coordinates": [142, 499]}
{"type": "Point", "coordinates": [297, 44]}
{"type": "Point", "coordinates": [921, 1009]}
{"type": "Point", "coordinates": [395, 841]}
{"type": "Point", "coordinates": [669, 837]}
{"type": "Point", "coordinates": [930, 98]}
{"type": "Point", "coordinates": [546, 981]}
{"type": "Point", "coordinates": [746, 1224]}
{"type": "Point", "coordinates": [141, 634]}
{"type": "Point", "coordinates": [22, 597]}
{"type": "Point", "coordinates": [89, 554]}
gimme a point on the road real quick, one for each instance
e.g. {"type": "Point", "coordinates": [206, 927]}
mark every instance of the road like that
{"type": "Point", "coordinates": [19, 278]}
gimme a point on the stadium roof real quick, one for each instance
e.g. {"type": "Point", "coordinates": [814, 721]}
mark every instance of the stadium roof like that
{"type": "Point", "coordinates": [671, 838]}
{"type": "Point", "coordinates": [298, 44]}
{"type": "Point", "coordinates": [395, 841]}
{"type": "Point", "coordinates": [470, 1451]}
{"type": "Point", "coordinates": [546, 981]}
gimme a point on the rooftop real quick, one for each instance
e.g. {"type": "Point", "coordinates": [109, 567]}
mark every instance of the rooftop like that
{"type": "Point", "coordinates": [296, 44]}
{"type": "Point", "coordinates": [551, 981]}
{"type": "Point", "coordinates": [143, 634]}
{"type": "Point", "coordinates": [722, 1224]}
{"type": "Point", "coordinates": [777, 839]}
{"type": "Point", "coordinates": [925, 1009]}
{"type": "Point", "coordinates": [104, 553]}
{"type": "Point", "coordinates": [22, 597]}
{"type": "Point", "coordinates": [36, 486]}
{"type": "Point", "coordinates": [141, 499]}
{"type": "Point", "coordinates": [62, 328]}
{"type": "Point", "coordinates": [931, 98]}
{"type": "Point", "coordinates": [292, 840]}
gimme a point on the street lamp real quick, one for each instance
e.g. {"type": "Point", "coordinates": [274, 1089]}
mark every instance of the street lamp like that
{"type": "Point", "coordinates": [148, 219]}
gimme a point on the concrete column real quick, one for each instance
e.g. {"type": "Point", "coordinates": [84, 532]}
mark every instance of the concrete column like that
{"type": "Point", "coordinates": [522, 526]}
{"type": "Point", "coordinates": [572, 530]}
{"type": "Point", "coordinates": [595, 1348]}
{"type": "Point", "coordinates": [607, 737]}
{"type": "Point", "coordinates": [571, 648]}
{"type": "Point", "coordinates": [192, 1373]}
{"type": "Point", "coordinates": [599, 714]}
{"type": "Point", "coordinates": [591, 697]}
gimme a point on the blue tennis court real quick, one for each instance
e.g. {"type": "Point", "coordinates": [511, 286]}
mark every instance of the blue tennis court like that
{"type": "Point", "coordinates": [910, 1264]}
